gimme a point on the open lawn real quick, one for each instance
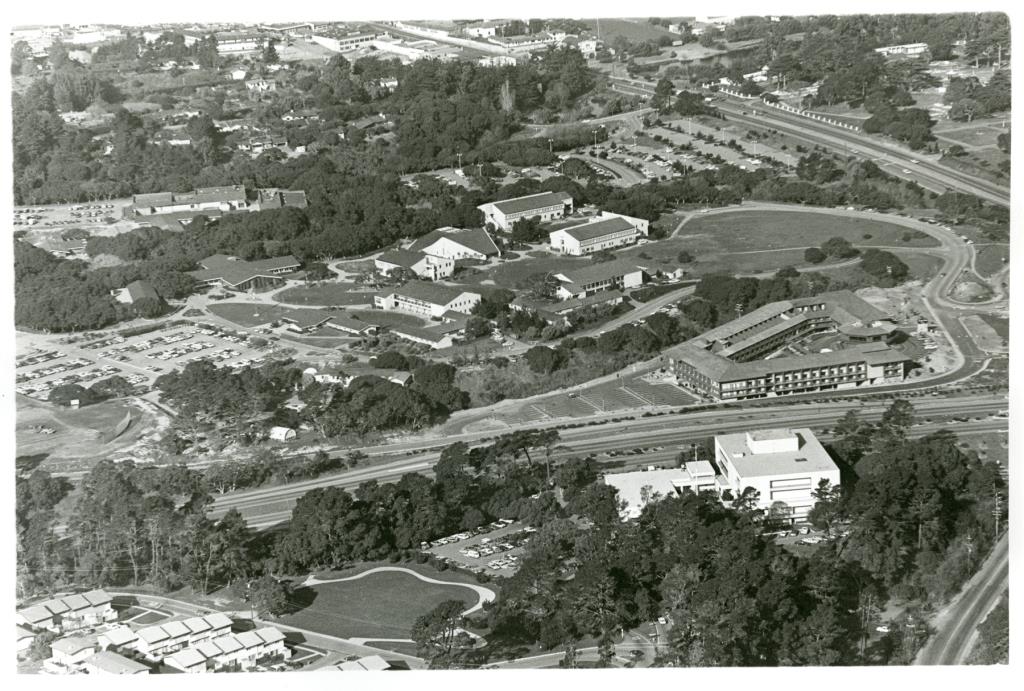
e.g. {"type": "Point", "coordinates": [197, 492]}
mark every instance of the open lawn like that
{"type": "Point", "coordinates": [990, 258]}
{"type": "Point", "coordinates": [523, 273]}
{"type": "Point", "coordinates": [325, 294]}
{"type": "Point", "coordinates": [747, 231]}
{"type": "Point", "coordinates": [386, 318]}
{"type": "Point", "coordinates": [383, 605]}
{"type": "Point", "coordinates": [247, 314]}
{"type": "Point", "coordinates": [1000, 325]}
{"type": "Point", "coordinates": [630, 29]}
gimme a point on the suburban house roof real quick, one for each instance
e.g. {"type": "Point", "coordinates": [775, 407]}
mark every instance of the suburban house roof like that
{"type": "Point", "coordinates": [433, 293]}
{"type": "Point", "coordinates": [249, 639]}
{"type": "Point", "coordinates": [475, 239]}
{"type": "Point", "coordinates": [596, 273]}
{"type": "Point", "coordinates": [47, 609]}
{"type": "Point", "coordinates": [269, 634]}
{"type": "Point", "coordinates": [218, 620]}
{"type": "Point", "coordinates": [112, 663]}
{"type": "Point", "coordinates": [227, 644]}
{"type": "Point", "coordinates": [120, 635]}
{"type": "Point", "coordinates": [810, 455]}
{"type": "Point", "coordinates": [237, 271]}
{"type": "Point", "coordinates": [273, 198]}
{"type": "Point", "coordinates": [197, 624]}
{"type": "Point", "coordinates": [400, 257]}
{"type": "Point", "coordinates": [532, 201]}
{"type": "Point", "coordinates": [433, 334]}
{"type": "Point", "coordinates": [36, 614]}
{"type": "Point", "coordinates": [596, 229]}
{"type": "Point", "coordinates": [365, 664]}
{"type": "Point", "coordinates": [176, 629]}
{"type": "Point", "coordinates": [72, 645]}
{"type": "Point", "coordinates": [191, 657]}
{"type": "Point", "coordinates": [97, 597]}
{"type": "Point", "coordinates": [75, 602]}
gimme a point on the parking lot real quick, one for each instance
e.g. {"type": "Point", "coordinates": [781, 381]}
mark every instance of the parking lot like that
{"type": "Point", "coordinates": [138, 359]}
{"type": "Point", "coordinates": [494, 549]}
{"type": "Point", "coordinates": [57, 215]}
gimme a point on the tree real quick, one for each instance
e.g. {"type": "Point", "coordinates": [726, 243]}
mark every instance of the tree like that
{"type": "Point", "coordinates": [827, 507]}
{"type": "Point", "coordinates": [269, 55]}
{"type": "Point", "coordinates": [544, 360]}
{"type": "Point", "coordinates": [40, 648]}
{"type": "Point", "coordinates": [65, 394]}
{"type": "Point", "coordinates": [898, 417]}
{"type": "Point", "coordinates": [269, 595]}
{"type": "Point", "coordinates": [839, 247]}
{"type": "Point", "coordinates": [436, 634]}
{"type": "Point", "coordinates": [966, 109]}
{"type": "Point", "coordinates": [814, 255]}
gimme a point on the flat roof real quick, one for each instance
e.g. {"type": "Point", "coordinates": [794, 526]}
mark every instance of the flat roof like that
{"type": "Point", "coordinates": [72, 645]}
{"type": "Point", "coordinates": [531, 201]}
{"type": "Point", "coordinates": [809, 457]}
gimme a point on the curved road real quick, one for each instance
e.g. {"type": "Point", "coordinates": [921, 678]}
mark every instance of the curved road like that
{"type": "Point", "coordinates": [484, 594]}
{"type": "Point", "coordinates": [956, 624]}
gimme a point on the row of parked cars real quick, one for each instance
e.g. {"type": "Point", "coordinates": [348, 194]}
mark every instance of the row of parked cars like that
{"type": "Point", "coordinates": [458, 537]}
{"type": "Point", "coordinates": [46, 356]}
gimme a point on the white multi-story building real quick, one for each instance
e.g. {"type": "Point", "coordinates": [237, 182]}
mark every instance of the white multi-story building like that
{"type": "Point", "coordinates": [457, 243]}
{"type": "Point", "coordinates": [784, 467]}
{"type": "Point", "coordinates": [908, 49]}
{"type": "Point", "coordinates": [429, 300]}
{"type": "Point", "coordinates": [545, 206]}
{"type": "Point", "coordinates": [603, 232]}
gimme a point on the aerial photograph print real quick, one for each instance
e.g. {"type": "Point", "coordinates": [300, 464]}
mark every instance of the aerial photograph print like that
{"type": "Point", "coordinates": [481, 343]}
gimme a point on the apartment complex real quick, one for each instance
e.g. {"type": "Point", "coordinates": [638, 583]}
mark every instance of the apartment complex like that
{"type": "Point", "coordinates": [231, 651]}
{"type": "Point", "coordinates": [725, 363]}
{"type": "Point", "coordinates": [545, 206]}
{"type": "Point", "coordinates": [607, 231]}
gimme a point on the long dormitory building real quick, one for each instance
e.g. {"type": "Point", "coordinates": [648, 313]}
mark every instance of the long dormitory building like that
{"type": "Point", "coordinates": [725, 363]}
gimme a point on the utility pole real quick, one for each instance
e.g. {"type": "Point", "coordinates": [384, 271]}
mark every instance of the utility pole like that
{"type": "Point", "coordinates": [594, 132]}
{"type": "Point", "coordinates": [550, 145]}
{"type": "Point", "coordinates": [997, 512]}
{"type": "Point", "coordinates": [459, 154]}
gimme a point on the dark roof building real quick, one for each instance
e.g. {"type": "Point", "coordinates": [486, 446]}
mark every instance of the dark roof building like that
{"type": "Point", "coordinates": [238, 274]}
{"type": "Point", "coordinates": [457, 243]}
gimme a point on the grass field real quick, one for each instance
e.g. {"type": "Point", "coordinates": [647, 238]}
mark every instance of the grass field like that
{"type": "Point", "coordinates": [247, 314]}
{"type": "Point", "coordinates": [745, 231]}
{"type": "Point", "coordinates": [523, 273]}
{"type": "Point", "coordinates": [387, 318]}
{"type": "Point", "coordinates": [325, 295]}
{"type": "Point", "coordinates": [1000, 325]}
{"type": "Point", "coordinates": [383, 605]}
{"type": "Point", "coordinates": [631, 29]}
{"type": "Point", "coordinates": [77, 434]}
{"type": "Point", "coordinates": [990, 258]}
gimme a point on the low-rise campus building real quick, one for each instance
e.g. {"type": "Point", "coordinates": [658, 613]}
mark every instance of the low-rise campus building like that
{"type": "Point", "coordinates": [545, 206]}
{"type": "Point", "coordinates": [427, 299]}
{"type": "Point", "coordinates": [725, 363]}
{"type": "Point", "coordinates": [618, 274]}
{"type": "Point", "coordinates": [783, 466]}
{"type": "Point", "coordinates": [457, 243]}
{"type": "Point", "coordinates": [428, 266]}
{"type": "Point", "coordinates": [238, 274]}
{"type": "Point", "coordinates": [606, 231]}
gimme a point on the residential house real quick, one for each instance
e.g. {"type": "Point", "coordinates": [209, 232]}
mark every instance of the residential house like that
{"type": "Point", "coordinates": [118, 638]}
{"type": "Point", "coordinates": [241, 651]}
{"type": "Point", "coordinates": [545, 206]}
{"type": "Point", "coordinates": [109, 662]}
{"type": "Point", "coordinates": [606, 231]}
{"type": "Point", "coordinates": [371, 663]}
{"type": "Point", "coordinates": [427, 299]}
{"type": "Point", "coordinates": [424, 265]}
{"type": "Point", "coordinates": [618, 274]}
{"type": "Point", "coordinates": [69, 612]}
{"type": "Point", "coordinates": [457, 243]}
{"type": "Point", "coordinates": [281, 434]}
{"type": "Point", "coordinates": [23, 640]}
{"type": "Point", "coordinates": [157, 642]}
{"type": "Point", "coordinates": [67, 654]}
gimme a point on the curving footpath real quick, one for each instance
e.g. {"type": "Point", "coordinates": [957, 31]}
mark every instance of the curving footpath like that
{"type": "Point", "coordinates": [484, 594]}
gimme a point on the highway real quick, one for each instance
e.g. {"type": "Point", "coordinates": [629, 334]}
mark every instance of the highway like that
{"type": "Point", "coordinates": [928, 174]}
{"type": "Point", "coordinates": [957, 623]}
{"type": "Point", "coordinates": [662, 437]}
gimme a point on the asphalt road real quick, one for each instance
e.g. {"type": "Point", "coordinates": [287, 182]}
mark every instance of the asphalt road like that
{"type": "Point", "coordinates": [956, 625]}
{"type": "Point", "coordinates": [268, 506]}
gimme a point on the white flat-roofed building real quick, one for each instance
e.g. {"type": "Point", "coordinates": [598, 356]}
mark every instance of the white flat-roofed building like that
{"type": "Point", "coordinates": [907, 49]}
{"type": "Point", "coordinates": [606, 231]}
{"type": "Point", "coordinates": [784, 465]}
{"type": "Point", "coordinates": [422, 264]}
{"type": "Point", "coordinates": [545, 206]}
{"type": "Point", "coordinates": [639, 488]}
